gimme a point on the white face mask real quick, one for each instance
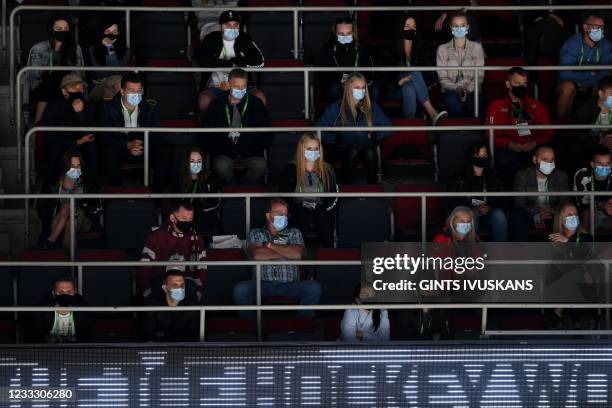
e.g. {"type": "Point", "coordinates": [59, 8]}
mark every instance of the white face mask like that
{"type": "Point", "coordinates": [546, 168]}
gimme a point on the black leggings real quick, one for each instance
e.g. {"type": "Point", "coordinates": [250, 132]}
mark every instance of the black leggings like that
{"type": "Point", "coordinates": [351, 156]}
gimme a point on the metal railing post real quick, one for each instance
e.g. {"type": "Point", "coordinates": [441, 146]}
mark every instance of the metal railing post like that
{"type": "Point", "coordinates": [247, 215]}
{"type": "Point", "coordinates": [146, 158]}
{"type": "Point", "coordinates": [319, 135]}
{"type": "Point", "coordinates": [80, 279]}
{"type": "Point", "coordinates": [301, 35]}
{"type": "Point", "coordinates": [202, 324]}
{"type": "Point", "coordinates": [258, 300]}
{"type": "Point", "coordinates": [4, 32]}
{"type": "Point", "coordinates": [128, 28]}
{"type": "Point", "coordinates": [483, 323]}
{"type": "Point", "coordinates": [296, 42]}
{"type": "Point", "coordinates": [476, 94]}
{"type": "Point", "coordinates": [72, 231]}
{"type": "Point", "coordinates": [424, 219]}
{"type": "Point", "coordinates": [592, 215]}
{"type": "Point", "coordinates": [607, 282]}
{"type": "Point", "coordinates": [306, 95]}
{"type": "Point", "coordinates": [492, 145]}
{"type": "Point", "coordinates": [11, 62]}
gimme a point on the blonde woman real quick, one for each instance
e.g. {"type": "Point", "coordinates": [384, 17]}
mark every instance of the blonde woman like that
{"type": "Point", "coordinates": [309, 173]}
{"type": "Point", "coordinates": [459, 228]}
{"type": "Point", "coordinates": [567, 228]}
{"type": "Point", "coordinates": [355, 109]}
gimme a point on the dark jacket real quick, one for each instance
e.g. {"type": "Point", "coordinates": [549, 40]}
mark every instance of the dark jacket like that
{"type": "Point", "coordinates": [526, 181]}
{"type": "Point", "coordinates": [169, 326]}
{"type": "Point", "coordinates": [43, 322]}
{"type": "Point", "coordinates": [288, 184]}
{"type": "Point", "coordinates": [112, 116]}
{"type": "Point", "coordinates": [588, 113]}
{"type": "Point", "coordinates": [59, 112]}
{"type": "Point", "coordinates": [248, 54]}
{"type": "Point", "coordinates": [334, 54]}
{"type": "Point", "coordinates": [331, 117]}
{"type": "Point", "coordinates": [467, 182]}
{"type": "Point", "coordinates": [206, 210]}
{"type": "Point", "coordinates": [249, 144]}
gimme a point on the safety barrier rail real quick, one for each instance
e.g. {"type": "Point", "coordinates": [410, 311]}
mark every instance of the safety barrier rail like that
{"type": "Point", "coordinates": [259, 308]}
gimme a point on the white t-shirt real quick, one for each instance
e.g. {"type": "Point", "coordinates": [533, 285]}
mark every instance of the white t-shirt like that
{"type": "Point", "coordinates": [227, 53]}
{"type": "Point", "coordinates": [131, 121]}
{"type": "Point", "coordinates": [355, 320]}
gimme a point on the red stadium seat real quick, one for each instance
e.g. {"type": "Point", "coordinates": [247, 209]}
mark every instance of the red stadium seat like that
{"type": "Point", "coordinates": [223, 329]}
{"type": "Point", "coordinates": [329, 276]}
{"type": "Point", "coordinates": [407, 148]}
{"type": "Point", "coordinates": [494, 86]}
{"type": "Point", "coordinates": [282, 63]}
{"type": "Point", "coordinates": [408, 212]}
{"type": "Point", "coordinates": [222, 279]}
{"type": "Point", "coordinates": [32, 281]}
{"type": "Point", "coordinates": [290, 330]}
{"type": "Point", "coordinates": [167, 63]}
{"type": "Point", "coordinates": [106, 285]}
{"type": "Point", "coordinates": [233, 210]}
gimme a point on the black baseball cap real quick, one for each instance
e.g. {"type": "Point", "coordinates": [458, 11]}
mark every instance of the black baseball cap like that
{"type": "Point", "coordinates": [229, 15]}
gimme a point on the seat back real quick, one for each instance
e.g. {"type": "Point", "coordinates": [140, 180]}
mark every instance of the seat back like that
{"type": "Point", "coordinates": [282, 148]}
{"type": "Point", "coordinates": [34, 281]}
{"type": "Point", "coordinates": [159, 35]}
{"type": "Point", "coordinates": [337, 282]}
{"type": "Point", "coordinates": [362, 219]}
{"type": "Point", "coordinates": [222, 279]}
{"type": "Point", "coordinates": [224, 330]}
{"type": "Point", "coordinates": [106, 285]}
{"type": "Point", "coordinates": [233, 210]}
{"type": "Point", "coordinates": [453, 145]}
{"type": "Point", "coordinates": [139, 214]}
{"type": "Point", "coordinates": [408, 210]}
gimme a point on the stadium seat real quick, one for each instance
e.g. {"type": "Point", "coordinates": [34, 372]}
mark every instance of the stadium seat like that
{"type": "Point", "coordinates": [34, 281]}
{"type": "Point", "coordinates": [139, 214]}
{"type": "Point", "coordinates": [233, 210]}
{"type": "Point", "coordinates": [453, 144]}
{"type": "Point", "coordinates": [284, 90]}
{"type": "Point", "coordinates": [106, 285]}
{"type": "Point", "coordinates": [6, 291]}
{"type": "Point", "coordinates": [290, 330]}
{"type": "Point", "coordinates": [408, 213]}
{"type": "Point", "coordinates": [547, 83]}
{"type": "Point", "coordinates": [408, 148]}
{"type": "Point", "coordinates": [272, 31]}
{"type": "Point", "coordinates": [332, 328]}
{"type": "Point", "coordinates": [362, 219]}
{"type": "Point", "coordinates": [494, 85]}
{"type": "Point", "coordinates": [222, 279]}
{"type": "Point", "coordinates": [318, 26]}
{"type": "Point", "coordinates": [114, 328]}
{"type": "Point", "coordinates": [159, 35]}
{"type": "Point", "coordinates": [174, 92]}
{"type": "Point", "coordinates": [283, 145]}
{"type": "Point", "coordinates": [330, 276]}
{"type": "Point", "coordinates": [225, 330]}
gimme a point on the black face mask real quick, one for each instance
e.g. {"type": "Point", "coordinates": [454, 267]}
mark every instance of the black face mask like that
{"type": "Point", "coordinates": [73, 96]}
{"type": "Point", "coordinates": [519, 91]}
{"type": "Point", "coordinates": [409, 34]}
{"type": "Point", "coordinates": [184, 226]}
{"type": "Point", "coordinates": [482, 162]}
{"type": "Point", "coordinates": [61, 36]}
{"type": "Point", "coordinates": [64, 300]}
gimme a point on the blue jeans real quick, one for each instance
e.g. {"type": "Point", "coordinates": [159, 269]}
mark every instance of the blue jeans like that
{"type": "Point", "coordinates": [306, 292]}
{"type": "Point", "coordinates": [454, 107]}
{"type": "Point", "coordinates": [413, 91]}
{"type": "Point", "coordinates": [496, 221]}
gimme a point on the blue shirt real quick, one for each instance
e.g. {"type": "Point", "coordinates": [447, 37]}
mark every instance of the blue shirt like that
{"type": "Point", "coordinates": [575, 51]}
{"type": "Point", "coordinates": [277, 273]}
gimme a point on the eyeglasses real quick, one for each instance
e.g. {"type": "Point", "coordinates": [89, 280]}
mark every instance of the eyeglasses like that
{"type": "Point", "coordinates": [595, 26]}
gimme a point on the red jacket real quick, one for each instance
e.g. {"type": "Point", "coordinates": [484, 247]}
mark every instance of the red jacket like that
{"type": "Point", "coordinates": [499, 112]}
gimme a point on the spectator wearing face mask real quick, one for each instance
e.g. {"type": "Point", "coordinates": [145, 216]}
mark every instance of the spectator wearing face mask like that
{"type": "Point", "coordinates": [444, 31]}
{"type": "Point", "coordinates": [514, 148]}
{"type": "Point", "coordinates": [108, 49]}
{"type": "Point", "coordinates": [277, 242]}
{"type": "Point", "coordinates": [309, 173]}
{"type": "Point", "coordinates": [230, 47]}
{"type": "Point", "coordinates": [72, 109]}
{"type": "Point", "coordinates": [363, 325]}
{"type": "Point", "coordinates": [208, 20]}
{"type": "Point", "coordinates": [237, 109]}
{"type": "Point", "coordinates": [178, 241]}
{"type": "Point", "coordinates": [596, 177]}
{"type": "Point", "coordinates": [59, 49]}
{"type": "Point", "coordinates": [55, 214]}
{"type": "Point", "coordinates": [343, 50]}
{"type": "Point", "coordinates": [598, 111]}
{"type": "Point", "coordinates": [355, 109]}
{"type": "Point", "coordinates": [127, 109]}
{"type": "Point", "coordinates": [530, 212]}
{"type": "Point", "coordinates": [459, 228]}
{"type": "Point", "coordinates": [458, 85]}
{"type": "Point", "coordinates": [63, 326]}
{"type": "Point", "coordinates": [195, 178]}
{"type": "Point", "coordinates": [175, 325]}
{"type": "Point", "coordinates": [488, 212]}
{"type": "Point", "coordinates": [411, 86]}
{"type": "Point", "coordinates": [589, 47]}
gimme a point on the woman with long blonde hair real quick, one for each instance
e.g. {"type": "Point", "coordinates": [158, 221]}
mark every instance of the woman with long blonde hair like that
{"type": "Point", "coordinates": [459, 227]}
{"type": "Point", "coordinates": [566, 226]}
{"type": "Point", "coordinates": [309, 173]}
{"type": "Point", "coordinates": [355, 109]}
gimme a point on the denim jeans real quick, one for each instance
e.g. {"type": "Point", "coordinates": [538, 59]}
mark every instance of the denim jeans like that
{"type": "Point", "coordinates": [306, 292]}
{"type": "Point", "coordinates": [454, 107]}
{"type": "Point", "coordinates": [223, 167]}
{"type": "Point", "coordinates": [411, 92]}
{"type": "Point", "coordinates": [495, 221]}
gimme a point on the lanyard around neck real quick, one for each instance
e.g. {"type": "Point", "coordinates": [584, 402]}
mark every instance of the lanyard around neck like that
{"type": "Point", "coordinates": [581, 59]}
{"type": "Point", "coordinates": [244, 108]}
{"type": "Point", "coordinates": [356, 57]}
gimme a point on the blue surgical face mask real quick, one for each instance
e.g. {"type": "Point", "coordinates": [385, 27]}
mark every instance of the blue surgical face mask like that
{"type": "Point", "coordinates": [596, 34]}
{"type": "Point", "coordinates": [312, 155]}
{"type": "Point", "coordinates": [195, 168]}
{"type": "Point", "coordinates": [459, 32]}
{"type": "Point", "coordinates": [546, 168]}
{"type": "Point", "coordinates": [602, 171]}
{"type": "Point", "coordinates": [238, 93]}
{"type": "Point", "coordinates": [358, 94]}
{"type": "Point", "coordinates": [572, 222]}
{"type": "Point", "coordinates": [280, 222]}
{"type": "Point", "coordinates": [74, 173]}
{"type": "Point", "coordinates": [134, 99]}
{"type": "Point", "coordinates": [608, 102]}
{"type": "Point", "coordinates": [177, 294]}
{"type": "Point", "coordinates": [345, 39]}
{"type": "Point", "coordinates": [230, 34]}
{"type": "Point", "coordinates": [463, 228]}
